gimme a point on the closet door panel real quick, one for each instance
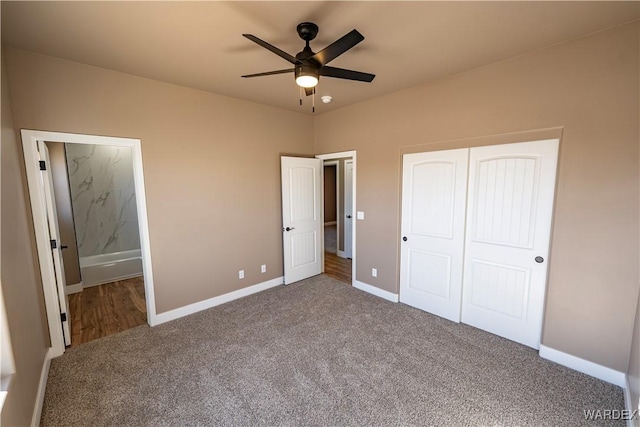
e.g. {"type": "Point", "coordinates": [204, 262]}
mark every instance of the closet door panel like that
{"type": "Point", "coordinates": [433, 206]}
{"type": "Point", "coordinates": [509, 209]}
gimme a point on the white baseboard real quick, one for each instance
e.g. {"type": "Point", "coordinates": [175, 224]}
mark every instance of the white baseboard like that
{"type": "Point", "coordinates": [586, 367]}
{"type": "Point", "coordinates": [627, 400]}
{"type": "Point", "coordinates": [330, 223]}
{"type": "Point", "coordinates": [42, 386]}
{"type": "Point", "coordinates": [341, 254]}
{"type": "Point", "coordinates": [112, 279]}
{"type": "Point", "coordinates": [375, 291]}
{"type": "Point", "coordinates": [215, 301]}
{"type": "Point", "coordinates": [74, 289]}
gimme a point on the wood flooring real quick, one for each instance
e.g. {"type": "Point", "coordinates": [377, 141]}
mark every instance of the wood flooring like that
{"type": "Point", "coordinates": [336, 267]}
{"type": "Point", "coordinates": [99, 311]}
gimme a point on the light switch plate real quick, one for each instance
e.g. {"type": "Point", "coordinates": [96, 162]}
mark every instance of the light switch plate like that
{"type": "Point", "coordinates": [360, 215]}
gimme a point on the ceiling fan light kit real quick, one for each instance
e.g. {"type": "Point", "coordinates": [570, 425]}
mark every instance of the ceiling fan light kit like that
{"type": "Point", "coordinates": [306, 76]}
{"type": "Point", "coordinates": [308, 65]}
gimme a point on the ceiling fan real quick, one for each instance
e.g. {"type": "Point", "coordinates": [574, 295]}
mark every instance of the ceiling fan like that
{"type": "Point", "coordinates": [308, 65]}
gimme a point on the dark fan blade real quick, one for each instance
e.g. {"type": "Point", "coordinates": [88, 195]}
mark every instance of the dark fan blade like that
{"type": "Point", "coordinates": [272, 48]}
{"type": "Point", "coordinates": [337, 48]}
{"type": "Point", "coordinates": [309, 90]}
{"type": "Point", "coordinates": [341, 73]}
{"type": "Point", "coordinates": [271, 73]}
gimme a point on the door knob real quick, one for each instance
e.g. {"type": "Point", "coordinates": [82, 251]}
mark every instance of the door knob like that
{"type": "Point", "coordinates": [539, 259]}
{"type": "Point", "coordinates": [289, 228]}
{"type": "Point", "coordinates": [64, 247]}
{"type": "Point", "coordinates": [404, 238]}
{"type": "Point", "coordinates": [349, 216]}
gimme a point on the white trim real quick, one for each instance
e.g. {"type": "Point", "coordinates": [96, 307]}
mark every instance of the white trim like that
{"type": "Point", "coordinates": [42, 386]}
{"type": "Point", "coordinates": [330, 223]}
{"type": "Point", "coordinates": [586, 367]}
{"type": "Point", "coordinates": [341, 254]}
{"type": "Point", "coordinates": [73, 289]}
{"type": "Point", "coordinates": [177, 313]}
{"type": "Point", "coordinates": [334, 156]}
{"type": "Point", "coordinates": [346, 155]}
{"type": "Point", "coordinates": [30, 140]}
{"type": "Point", "coordinates": [627, 400]}
{"type": "Point", "coordinates": [389, 296]}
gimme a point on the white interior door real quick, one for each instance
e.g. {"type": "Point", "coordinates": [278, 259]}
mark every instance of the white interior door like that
{"type": "Point", "coordinates": [348, 208]}
{"type": "Point", "coordinates": [54, 235]}
{"type": "Point", "coordinates": [509, 208]}
{"type": "Point", "coordinates": [301, 218]}
{"type": "Point", "coordinates": [433, 207]}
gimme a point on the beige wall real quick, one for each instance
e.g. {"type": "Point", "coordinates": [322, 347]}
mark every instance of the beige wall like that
{"type": "Point", "coordinates": [21, 286]}
{"type": "Point", "coordinates": [588, 88]}
{"type": "Point", "coordinates": [330, 176]}
{"type": "Point", "coordinates": [65, 212]}
{"type": "Point", "coordinates": [211, 166]}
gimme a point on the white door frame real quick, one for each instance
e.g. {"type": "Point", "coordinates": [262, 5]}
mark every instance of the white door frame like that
{"type": "Point", "coordinates": [37, 190]}
{"type": "Point", "coordinates": [346, 155]}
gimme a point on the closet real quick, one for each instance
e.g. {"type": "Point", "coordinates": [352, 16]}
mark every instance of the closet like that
{"type": "Point", "coordinates": [475, 234]}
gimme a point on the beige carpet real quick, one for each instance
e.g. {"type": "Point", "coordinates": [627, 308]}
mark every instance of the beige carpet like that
{"type": "Point", "coordinates": [316, 353]}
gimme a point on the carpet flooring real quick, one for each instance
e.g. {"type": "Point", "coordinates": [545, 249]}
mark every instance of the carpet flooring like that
{"type": "Point", "coordinates": [316, 353]}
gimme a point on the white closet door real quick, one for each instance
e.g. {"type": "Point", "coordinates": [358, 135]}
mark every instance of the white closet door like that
{"type": "Point", "coordinates": [509, 208]}
{"type": "Point", "coordinates": [433, 207]}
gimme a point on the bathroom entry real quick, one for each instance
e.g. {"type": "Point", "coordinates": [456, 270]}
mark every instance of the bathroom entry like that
{"type": "Point", "coordinates": [48, 237]}
{"type": "Point", "coordinates": [95, 202]}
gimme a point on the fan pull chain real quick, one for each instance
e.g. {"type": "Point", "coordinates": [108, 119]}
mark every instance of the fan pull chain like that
{"type": "Point", "coordinates": [300, 95]}
{"type": "Point", "coordinates": [313, 101]}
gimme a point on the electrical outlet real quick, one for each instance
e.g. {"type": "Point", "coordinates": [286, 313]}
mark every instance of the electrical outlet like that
{"type": "Point", "coordinates": [263, 268]}
{"type": "Point", "coordinates": [374, 272]}
{"type": "Point", "coordinates": [241, 274]}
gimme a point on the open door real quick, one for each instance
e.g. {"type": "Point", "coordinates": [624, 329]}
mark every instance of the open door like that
{"type": "Point", "coordinates": [54, 236]}
{"type": "Point", "coordinates": [301, 218]}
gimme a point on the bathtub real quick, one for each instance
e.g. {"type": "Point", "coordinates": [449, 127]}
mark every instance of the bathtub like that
{"type": "Point", "coordinates": [99, 269]}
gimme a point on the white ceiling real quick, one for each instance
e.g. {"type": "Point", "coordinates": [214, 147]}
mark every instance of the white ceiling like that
{"type": "Point", "coordinates": [200, 44]}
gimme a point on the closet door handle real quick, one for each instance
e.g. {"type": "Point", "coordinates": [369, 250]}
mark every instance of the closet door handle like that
{"type": "Point", "coordinates": [539, 259]}
{"type": "Point", "coordinates": [404, 238]}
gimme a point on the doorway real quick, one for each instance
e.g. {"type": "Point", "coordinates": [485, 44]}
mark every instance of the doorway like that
{"type": "Point", "coordinates": [95, 202]}
{"type": "Point", "coordinates": [49, 238]}
{"type": "Point", "coordinates": [339, 227]}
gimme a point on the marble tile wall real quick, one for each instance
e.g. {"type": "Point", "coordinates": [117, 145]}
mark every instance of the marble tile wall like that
{"type": "Point", "coordinates": [103, 198]}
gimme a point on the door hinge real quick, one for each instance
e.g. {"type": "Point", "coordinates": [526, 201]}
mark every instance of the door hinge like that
{"type": "Point", "coordinates": [43, 165]}
{"type": "Point", "coordinates": [54, 244]}
{"type": "Point", "coordinates": [63, 317]}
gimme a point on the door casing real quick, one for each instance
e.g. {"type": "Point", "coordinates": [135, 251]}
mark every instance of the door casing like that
{"type": "Point", "coordinates": [37, 190]}
{"type": "Point", "coordinates": [352, 156]}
